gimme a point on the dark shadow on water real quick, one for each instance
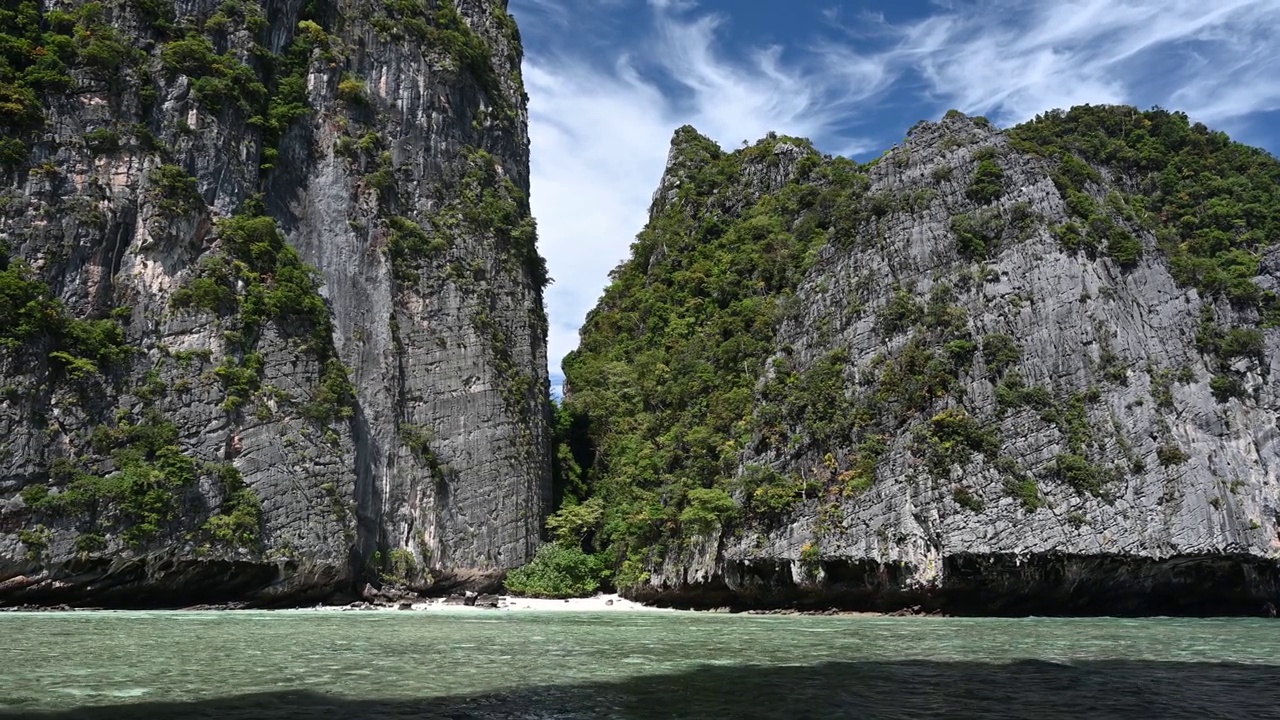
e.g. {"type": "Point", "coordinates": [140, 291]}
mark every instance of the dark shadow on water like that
{"type": "Point", "coordinates": [910, 689]}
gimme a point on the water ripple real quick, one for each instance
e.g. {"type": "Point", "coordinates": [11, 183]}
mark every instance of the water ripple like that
{"type": "Point", "coordinates": [326, 666]}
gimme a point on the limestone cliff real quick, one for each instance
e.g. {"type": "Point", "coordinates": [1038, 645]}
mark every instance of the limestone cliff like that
{"type": "Point", "coordinates": [272, 303]}
{"type": "Point", "coordinates": [990, 372]}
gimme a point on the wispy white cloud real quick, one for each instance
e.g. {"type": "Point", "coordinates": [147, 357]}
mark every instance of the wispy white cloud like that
{"type": "Point", "coordinates": [599, 133]}
{"type": "Point", "coordinates": [603, 109]}
{"type": "Point", "coordinates": [999, 58]}
{"type": "Point", "coordinates": [730, 100]}
{"type": "Point", "coordinates": [598, 139]}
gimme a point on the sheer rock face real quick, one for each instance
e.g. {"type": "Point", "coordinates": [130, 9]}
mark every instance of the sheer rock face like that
{"type": "Point", "coordinates": [401, 184]}
{"type": "Point", "coordinates": [1190, 532]}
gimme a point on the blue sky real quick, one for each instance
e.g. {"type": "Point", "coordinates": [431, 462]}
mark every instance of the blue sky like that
{"type": "Point", "coordinates": [610, 80]}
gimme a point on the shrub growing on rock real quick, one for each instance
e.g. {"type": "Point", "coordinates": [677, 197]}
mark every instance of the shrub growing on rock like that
{"type": "Point", "coordinates": [988, 183]}
{"type": "Point", "coordinates": [558, 571]}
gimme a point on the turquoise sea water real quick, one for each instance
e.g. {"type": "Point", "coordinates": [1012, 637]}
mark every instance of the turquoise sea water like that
{"type": "Point", "coordinates": [308, 665]}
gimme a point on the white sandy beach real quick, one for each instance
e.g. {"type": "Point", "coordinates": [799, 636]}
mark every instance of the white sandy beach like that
{"type": "Point", "coordinates": [598, 603]}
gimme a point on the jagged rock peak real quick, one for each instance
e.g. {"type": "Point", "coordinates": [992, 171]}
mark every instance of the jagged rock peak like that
{"type": "Point", "coordinates": [689, 152]}
{"type": "Point", "coordinates": [762, 167]}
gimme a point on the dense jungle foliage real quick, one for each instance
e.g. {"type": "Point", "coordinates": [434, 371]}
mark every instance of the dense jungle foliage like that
{"type": "Point", "coordinates": [1214, 204]}
{"type": "Point", "coordinates": [665, 392]}
{"type": "Point", "coordinates": [669, 359]}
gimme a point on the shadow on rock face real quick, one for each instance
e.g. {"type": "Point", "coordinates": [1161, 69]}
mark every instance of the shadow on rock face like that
{"type": "Point", "coordinates": [1124, 690]}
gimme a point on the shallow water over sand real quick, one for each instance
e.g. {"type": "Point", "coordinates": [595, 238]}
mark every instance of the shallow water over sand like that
{"type": "Point", "coordinates": [308, 665]}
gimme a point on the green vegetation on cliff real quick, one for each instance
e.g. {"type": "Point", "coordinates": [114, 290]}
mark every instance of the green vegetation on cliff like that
{"type": "Point", "coordinates": [256, 279]}
{"type": "Point", "coordinates": [144, 491]}
{"type": "Point", "coordinates": [1213, 204]}
{"type": "Point", "coordinates": [32, 320]}
{"type": "Point", "coordinates": [38, 52]}
{"type": "Point", "coordinates": [440, 30]}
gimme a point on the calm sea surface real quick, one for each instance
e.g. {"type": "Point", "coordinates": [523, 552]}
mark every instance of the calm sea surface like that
{"type": "Point", "coordinates": [333, 666]}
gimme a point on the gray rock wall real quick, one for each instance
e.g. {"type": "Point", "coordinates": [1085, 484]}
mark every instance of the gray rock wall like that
{"type": "Point", "coordinates": [436, 470]}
